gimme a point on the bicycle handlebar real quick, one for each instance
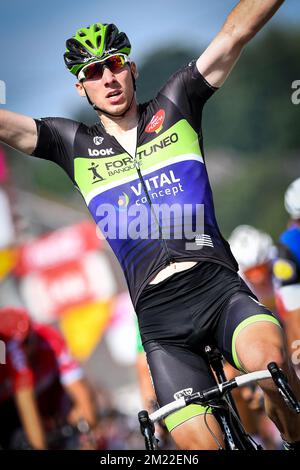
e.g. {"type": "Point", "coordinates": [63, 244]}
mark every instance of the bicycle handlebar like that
{"type": "Point", "coordinates": [220, 390]}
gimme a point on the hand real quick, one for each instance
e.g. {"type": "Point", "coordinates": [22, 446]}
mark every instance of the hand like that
{"type": "Point", "coordinates": [75, 415]}
{"type": "Point", "coordinates": [78, 415]}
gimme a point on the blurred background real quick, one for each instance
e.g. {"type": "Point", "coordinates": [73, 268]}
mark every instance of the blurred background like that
{"type": "Point", "coordinates": [51, 260]}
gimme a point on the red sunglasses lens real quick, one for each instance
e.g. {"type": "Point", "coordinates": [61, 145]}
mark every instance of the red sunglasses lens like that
{"type": "Point", "coordinates": [95, 71]}
{"type": "Point", "coordinates": [115, 63]}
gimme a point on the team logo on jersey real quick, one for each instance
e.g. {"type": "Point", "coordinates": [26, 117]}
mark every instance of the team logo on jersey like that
{"type": "Point", "coordinates": [156, 123]}
{"type": "Point", "coordinates": [186, 392]}
{"type": "Point", "coordinates": [123, 202]}
{"type": "Point", "coordinates": [96, 176]}
{"type": "Point", "coordinates": [100, 153]}
{"type": "Point", "coordinates": [98, 140]}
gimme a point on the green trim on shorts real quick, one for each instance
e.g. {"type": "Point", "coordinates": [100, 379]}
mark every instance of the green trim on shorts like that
{"type": "Point", "coordinates": [139, 344]}
{"type": "Point", "coordinates": [180, 416]}
{"type": "Point", "coordinates": [242, 325]}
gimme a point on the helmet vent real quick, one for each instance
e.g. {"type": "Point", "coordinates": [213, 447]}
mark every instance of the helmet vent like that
{"type": "Point", "coordinates": [96, 28]}
{"type": "Point", "coordinates": [98, 41]}
{"type": "Point", "coordinates": [88, 43]}
{"type": "Point", "coordinates": [81, 34]}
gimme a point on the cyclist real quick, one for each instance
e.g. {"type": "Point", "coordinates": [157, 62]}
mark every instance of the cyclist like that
{"type": "Point", "coordinates": [286, 270]}
{"type": "Point", "coordinates": [41, 384]}
{"type": "Point", "coordinates": [254, 251]}
{"type": "Point", "coordinates": [185, 289]}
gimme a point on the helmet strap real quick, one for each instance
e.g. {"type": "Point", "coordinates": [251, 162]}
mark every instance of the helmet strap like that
{"type": "Point", "coordinates": [133, 81]}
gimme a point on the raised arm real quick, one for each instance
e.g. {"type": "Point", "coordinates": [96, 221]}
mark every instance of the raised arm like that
{"type": "Point", "coordinates": [18, 131]}
{"type": "Point", "coordinates": [242, 24]}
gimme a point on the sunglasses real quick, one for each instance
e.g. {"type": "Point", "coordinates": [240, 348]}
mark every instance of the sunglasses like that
{"type": "Point", "coordinates": [94, 71]}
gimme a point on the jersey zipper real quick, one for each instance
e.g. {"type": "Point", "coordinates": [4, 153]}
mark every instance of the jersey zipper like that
{"type": "Point", "coordinates": [137, 167]}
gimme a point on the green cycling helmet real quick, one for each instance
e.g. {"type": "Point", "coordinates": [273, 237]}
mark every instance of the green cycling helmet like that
{"type": "Point", "coordinates": [95, 42]}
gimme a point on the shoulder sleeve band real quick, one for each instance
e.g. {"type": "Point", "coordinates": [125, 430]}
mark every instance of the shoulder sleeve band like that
{"type": "Point", "coordinates": [55, 141]}
{"type": "Point", "coordinates": [189, 91]}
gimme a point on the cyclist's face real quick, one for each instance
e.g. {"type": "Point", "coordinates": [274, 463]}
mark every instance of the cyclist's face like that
{"type": "Point", "coordinates": [113, 91]}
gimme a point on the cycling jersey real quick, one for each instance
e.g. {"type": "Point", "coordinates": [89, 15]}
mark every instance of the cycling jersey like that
{"type": "Point", "coordinates": [50, 361]}
{"type": "Point", "coordinates": [286, 270]}
{"type": "Point", "coordinates": [129, 198]}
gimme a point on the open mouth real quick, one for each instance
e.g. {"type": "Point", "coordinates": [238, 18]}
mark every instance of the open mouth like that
{"type": "Point", "coordinates": [114, 93]}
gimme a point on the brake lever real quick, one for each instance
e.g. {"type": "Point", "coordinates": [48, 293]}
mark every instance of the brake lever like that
{"type": "Point", "coordinates": [147, 429]}
{"type": "Point", "coordinates": [281, 381]}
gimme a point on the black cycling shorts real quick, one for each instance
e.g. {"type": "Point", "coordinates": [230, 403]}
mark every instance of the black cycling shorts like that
{"type": "Point", "coordinates": [206, 304]}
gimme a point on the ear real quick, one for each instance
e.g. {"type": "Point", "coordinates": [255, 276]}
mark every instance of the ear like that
{"type": "Point", "coordinates": [80, 89]}
{"type": "Point", "coordinates": [134, 69]}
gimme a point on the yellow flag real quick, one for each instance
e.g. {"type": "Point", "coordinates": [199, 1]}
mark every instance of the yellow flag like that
{"type": "Point", "coordinates": [7, 262]}
{"type": "Point", "coordinates": [83, 327]}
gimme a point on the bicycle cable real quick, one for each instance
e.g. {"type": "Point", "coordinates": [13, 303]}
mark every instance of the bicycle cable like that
{"type": "Point", "coordinates": [211, 431]}
{"type": "Point", "coordinates": [234, 414]}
